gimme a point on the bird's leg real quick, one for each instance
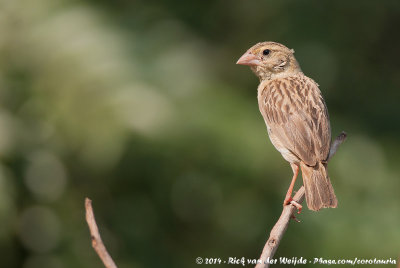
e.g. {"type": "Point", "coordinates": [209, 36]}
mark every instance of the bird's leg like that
{"type": "Point", "coordinates": [288, 198]}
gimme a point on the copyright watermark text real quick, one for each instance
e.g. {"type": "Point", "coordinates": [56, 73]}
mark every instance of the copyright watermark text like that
{"type": "Point", "coordinates": [293, 261]}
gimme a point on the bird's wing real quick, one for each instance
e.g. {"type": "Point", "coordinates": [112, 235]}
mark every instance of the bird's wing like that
{"type": "Point", "coordinates": [296, 114]}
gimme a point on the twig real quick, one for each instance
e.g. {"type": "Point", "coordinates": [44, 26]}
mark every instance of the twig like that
{"type": "Point", "coordinates": [282, 224]}
{"type": "Point", "coordinates": [97, 243]}
{"type": "Point", "coordinates": [279, 230]}
{"type": "Point", "coordinates": [336, 143]}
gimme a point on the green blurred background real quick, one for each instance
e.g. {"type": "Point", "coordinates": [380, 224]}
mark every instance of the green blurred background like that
{"type": "Point", "coordinates": [139, 105]}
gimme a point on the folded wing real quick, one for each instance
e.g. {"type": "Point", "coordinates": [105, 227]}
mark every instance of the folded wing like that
{"type": "Point", "coordinates": [297, 117]}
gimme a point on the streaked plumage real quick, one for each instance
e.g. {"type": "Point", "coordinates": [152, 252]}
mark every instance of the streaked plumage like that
{"type": "Point", "coordinates": [296, 117]}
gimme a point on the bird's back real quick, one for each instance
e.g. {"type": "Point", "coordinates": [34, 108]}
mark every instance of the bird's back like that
{"type": "Point", "coordinates": [296, 117]}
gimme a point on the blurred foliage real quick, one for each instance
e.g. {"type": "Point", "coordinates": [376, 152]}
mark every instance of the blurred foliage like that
{"type": "Point", "coordinates": [140, 106]}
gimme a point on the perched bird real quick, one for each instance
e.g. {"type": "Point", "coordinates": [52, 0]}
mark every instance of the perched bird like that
{"type": "Point", "coordinates": [296, 117]}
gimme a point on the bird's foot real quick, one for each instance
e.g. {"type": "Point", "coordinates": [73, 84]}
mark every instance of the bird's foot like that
{"type": "Point", "coordinates": [297, 205]}
{"type": "Point", "coordinates": [294, 203]}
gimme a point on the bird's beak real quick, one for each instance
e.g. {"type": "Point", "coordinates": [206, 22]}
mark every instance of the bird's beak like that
{"type": "Point", "coordinates": [248, 59]}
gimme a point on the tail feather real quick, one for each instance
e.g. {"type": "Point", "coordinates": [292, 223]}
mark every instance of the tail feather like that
{"type": "Point", "coordinates": [319, 190]}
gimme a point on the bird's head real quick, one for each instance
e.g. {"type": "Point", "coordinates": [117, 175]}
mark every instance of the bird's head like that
{"type": "Point", "coordinates": [270, 60]}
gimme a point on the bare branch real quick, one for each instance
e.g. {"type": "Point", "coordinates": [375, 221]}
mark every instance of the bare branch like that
{"type": "Point", "coordinates": [288, 211]}
{"type": "Point", "coordinates": [97, 243]}
{"type": "Point", "coordinates": [279, 230]}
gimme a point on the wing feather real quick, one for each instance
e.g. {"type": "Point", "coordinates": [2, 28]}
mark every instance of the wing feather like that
{"type": "Point", "coordinates": [296, 117]}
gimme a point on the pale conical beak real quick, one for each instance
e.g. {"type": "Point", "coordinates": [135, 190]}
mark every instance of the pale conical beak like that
{"type": "Point", "coordinates": [248, 59]}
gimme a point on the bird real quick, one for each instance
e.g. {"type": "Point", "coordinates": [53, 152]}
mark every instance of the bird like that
{"type": "Point", "coordinates": [297, 120]}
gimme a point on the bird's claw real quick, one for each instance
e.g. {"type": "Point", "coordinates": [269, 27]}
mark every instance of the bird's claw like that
{"type": "Point", "coordinates": [294, 203]}
{"type": "Point", "coordinates": [297, 205]}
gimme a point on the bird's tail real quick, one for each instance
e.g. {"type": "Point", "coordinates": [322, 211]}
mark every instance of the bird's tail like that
{"type": "Point", "coordinates": [319, 190]}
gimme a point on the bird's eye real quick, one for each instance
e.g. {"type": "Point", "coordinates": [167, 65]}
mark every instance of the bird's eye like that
{"type": "Point", "coordinates": [266, 52]}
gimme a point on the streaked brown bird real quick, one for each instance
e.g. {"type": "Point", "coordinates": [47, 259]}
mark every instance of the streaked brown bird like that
{"type": "Point", "coordinates": [296, 117]}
